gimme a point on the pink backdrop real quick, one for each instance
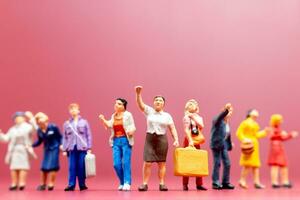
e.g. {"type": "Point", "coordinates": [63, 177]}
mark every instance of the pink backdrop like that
{"type": "Point", "coordinates": [56, 52]}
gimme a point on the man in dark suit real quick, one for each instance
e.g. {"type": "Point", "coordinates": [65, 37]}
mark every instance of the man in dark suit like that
{"type": "Point", "coordinates": [220, 144]}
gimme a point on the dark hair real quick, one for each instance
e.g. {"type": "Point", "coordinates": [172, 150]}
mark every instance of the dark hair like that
{"type": "Point", "coordinates": [124, 102]}
{"type": "Point", "coordinates": [249, 112]}
{"type": "Point", "coordinates": [160, 96]}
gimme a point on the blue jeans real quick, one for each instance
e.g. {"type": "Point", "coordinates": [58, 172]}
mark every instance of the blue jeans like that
{"type": "Point", "coordinates": [76, 167]}
{"type": "Point", "coordinates": [221, 154]}
{"type": "Point", "coordinates": [122, 159]}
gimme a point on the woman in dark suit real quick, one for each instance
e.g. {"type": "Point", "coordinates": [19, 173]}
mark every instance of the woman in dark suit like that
{"type": "Point", "coordinates": [50, 135]}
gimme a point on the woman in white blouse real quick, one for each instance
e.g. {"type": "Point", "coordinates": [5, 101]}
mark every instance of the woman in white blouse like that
{"type": "Point", "coordinates": [156, 143]}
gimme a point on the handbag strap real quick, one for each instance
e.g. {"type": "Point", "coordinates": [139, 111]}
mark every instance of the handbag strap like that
{"type": "Point", "coordinates": [191, 125]}
{"type": "Point", "coordinates": [76, 133]}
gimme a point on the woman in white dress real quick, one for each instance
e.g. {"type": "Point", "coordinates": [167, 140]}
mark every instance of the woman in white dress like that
{"type": "Point", "coordinates": [19, 142]}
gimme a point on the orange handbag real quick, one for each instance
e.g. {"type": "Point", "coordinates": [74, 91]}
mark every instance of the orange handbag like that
{"type": "Point", "coordinates": [247, 147]}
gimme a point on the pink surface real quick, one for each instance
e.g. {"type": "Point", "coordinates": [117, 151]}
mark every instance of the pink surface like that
{"type": "Point", "coordinates": [56, 52]}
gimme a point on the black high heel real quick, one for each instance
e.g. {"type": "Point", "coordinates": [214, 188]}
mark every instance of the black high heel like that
{"type": "Point", "coordinates": [13, 188]}
{"type": "Point", "coordinates": [22, 187]}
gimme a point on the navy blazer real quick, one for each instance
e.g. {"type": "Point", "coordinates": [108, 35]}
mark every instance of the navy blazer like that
{"type": "Point", "coordinates": [218, 139]}
{"type": "Point", "coordinates": [52, 138]}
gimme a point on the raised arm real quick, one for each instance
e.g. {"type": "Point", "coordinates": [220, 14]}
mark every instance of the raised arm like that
{"type": "Point", "coordinates": [139, 100]}
{"type": "Point", "coordinates": [224, 113]}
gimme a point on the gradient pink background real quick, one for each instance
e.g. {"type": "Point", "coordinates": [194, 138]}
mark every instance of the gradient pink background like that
{"type": "Point", "coordinates": [56, 52]}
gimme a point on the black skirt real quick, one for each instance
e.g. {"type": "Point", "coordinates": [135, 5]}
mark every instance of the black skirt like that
{"type": "Point", "coordinates": [156, 148]}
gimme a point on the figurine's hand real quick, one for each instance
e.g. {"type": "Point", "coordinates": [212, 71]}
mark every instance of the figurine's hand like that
{"type": "Point", "coordinates": [268, 130]}
{"type": "Point", "coordinates": [176, 143]}
{"type": "Point", "coordinates": [138, 89]}
{"type": "Point", "coordinates": [89, 151]}
{"type": "Point", "coordinates": [191, 144]}
{"type": "Point", "coordinates": [1, 132]}
{"type": "Point", "coordinates": [294, 134]}
{"type": "Point", "coordinates": [228, 106]}
{"type": "Point", "coordinates": [247, 140]}
{"type": "Point", "coordinates": [190, 115]}
{"type": "Point", "coordinates": [101, 117]}
{"type": "Point", "coordinates": [29, 115]}
{"type": "Point", "coordinates": [64, 153]}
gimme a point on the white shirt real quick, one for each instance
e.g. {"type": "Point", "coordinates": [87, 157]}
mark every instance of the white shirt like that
{"type": "Point", "coordinates": [157, 122]}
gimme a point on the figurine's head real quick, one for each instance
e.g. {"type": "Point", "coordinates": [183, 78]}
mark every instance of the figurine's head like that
{"type": "Point", "coordinates": [276, 120]}
{"type": "Point", "coordinates": [120, 105]}
{"type": "Point", "coordinates": [159, 103]}
{"type": "Point", "coordinates": [19, 117]}
{"type": "Point", "coordinates": [74, 109]}
{"type": "Point", "coordinates": [191, 106]}
{"type": "Point", "coordinates": [41, 119]}
{"type": "Point", "coordinates": [252, 113]}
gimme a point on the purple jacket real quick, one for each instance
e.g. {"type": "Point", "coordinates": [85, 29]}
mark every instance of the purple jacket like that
{"type": "Point", "coordinates": [83, 138]}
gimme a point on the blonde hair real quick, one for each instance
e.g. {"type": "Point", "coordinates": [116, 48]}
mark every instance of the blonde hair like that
{"type": "Point", "coordinates": [186, 107]}
{"type": "Point", "coordinates": [276, 119]}
{"type": "Point", "coordinates": [41, 115]}
{"type": "Point", "coordinates": [72, 105]}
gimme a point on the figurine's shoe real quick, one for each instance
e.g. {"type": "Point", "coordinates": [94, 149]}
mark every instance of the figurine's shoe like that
{"type": "Point", "coordinates": [289, 185]}
{"type": "Point", "coordinates": [69, 188]}
{"type": "Point", "coordinates": [41, 188]}
{"type": "Point", "coordinates": [126, 187]}
{"type": "Point", "coordinates": [120, 188]}
{"type": "Point", "coordinates": [259, 186]}
{"type": "Point", "coordinates": [200, 187]}
{"type": "Point", "coordinates": [243, 185]}
{"type": "Point", "coordinates": [22, 187]}
{"type": "Point", "coordinates": [13, 188]}
{"type": "Point", "coordinates": [143, 188]}
{"type": "Point", "coordinates": [82, 188]}
{"type": "Point", "coordinates": [275, 186]}
{"type": "Point", "coordinates": [163, 187]}
{"type": "Point", "coordinates": [185, 188]}
{"type": "Point", "coordinates": [50, 188]}
{"type": "Point", "coordinates": [216, 186]}
{"type": "Point", "coordinates": [227, 186]}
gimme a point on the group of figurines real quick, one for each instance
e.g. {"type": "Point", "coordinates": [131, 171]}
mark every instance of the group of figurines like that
{"type": "Point", "coordinates": [76, 141]}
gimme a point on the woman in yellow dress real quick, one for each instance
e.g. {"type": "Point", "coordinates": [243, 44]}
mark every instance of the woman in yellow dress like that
{"type": "Point", "coordinates": [249, 132]}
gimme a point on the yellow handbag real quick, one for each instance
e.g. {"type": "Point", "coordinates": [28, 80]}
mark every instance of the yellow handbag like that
{"type": "Point", "coordinates": [190, 161]}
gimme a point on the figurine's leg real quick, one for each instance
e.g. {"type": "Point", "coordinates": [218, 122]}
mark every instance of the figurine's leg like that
{"type": "Point", "coordinates": [127, 164]}
{"type": "Point", "coordinates": [146, 172]}
{"type": "Point", "coordinates": [257, 183]}
{"type": "Point", "coordinates": [51, 179]}
{"type": "Point", "coordinates": [117, 162]}
{"type": "Point", "coordinates": [274, 175]}
{"type": "Point", "coordinates": [22, 178]}
{"type": "Point", "coordinates": [161, 172]}
{"type": "Point", "coordinates": [284, 173]}
{"type": "Point", "coordinates": [244, 173]}
{"type": "Point", "coordinates": [14, 178]}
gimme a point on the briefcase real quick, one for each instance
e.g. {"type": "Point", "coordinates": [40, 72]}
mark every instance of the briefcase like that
{"type": "Point", "coordinates": [190, 162]}
{"type": "Point", "coordinates": [90, 165]}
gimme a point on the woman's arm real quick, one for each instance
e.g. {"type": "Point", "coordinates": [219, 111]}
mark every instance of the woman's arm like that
{"type": "Point", "coordinates": [139, 100]}
{"type": "Point", "coordinates": [174, 134]}
{"type": "Point", "coordinates": [105, 122]}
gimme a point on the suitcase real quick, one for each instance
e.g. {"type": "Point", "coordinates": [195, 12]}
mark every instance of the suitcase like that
{"type": "Point", "coordinates": [90, 165]}
{"type": "Point", "coordinates": [190, 162]}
